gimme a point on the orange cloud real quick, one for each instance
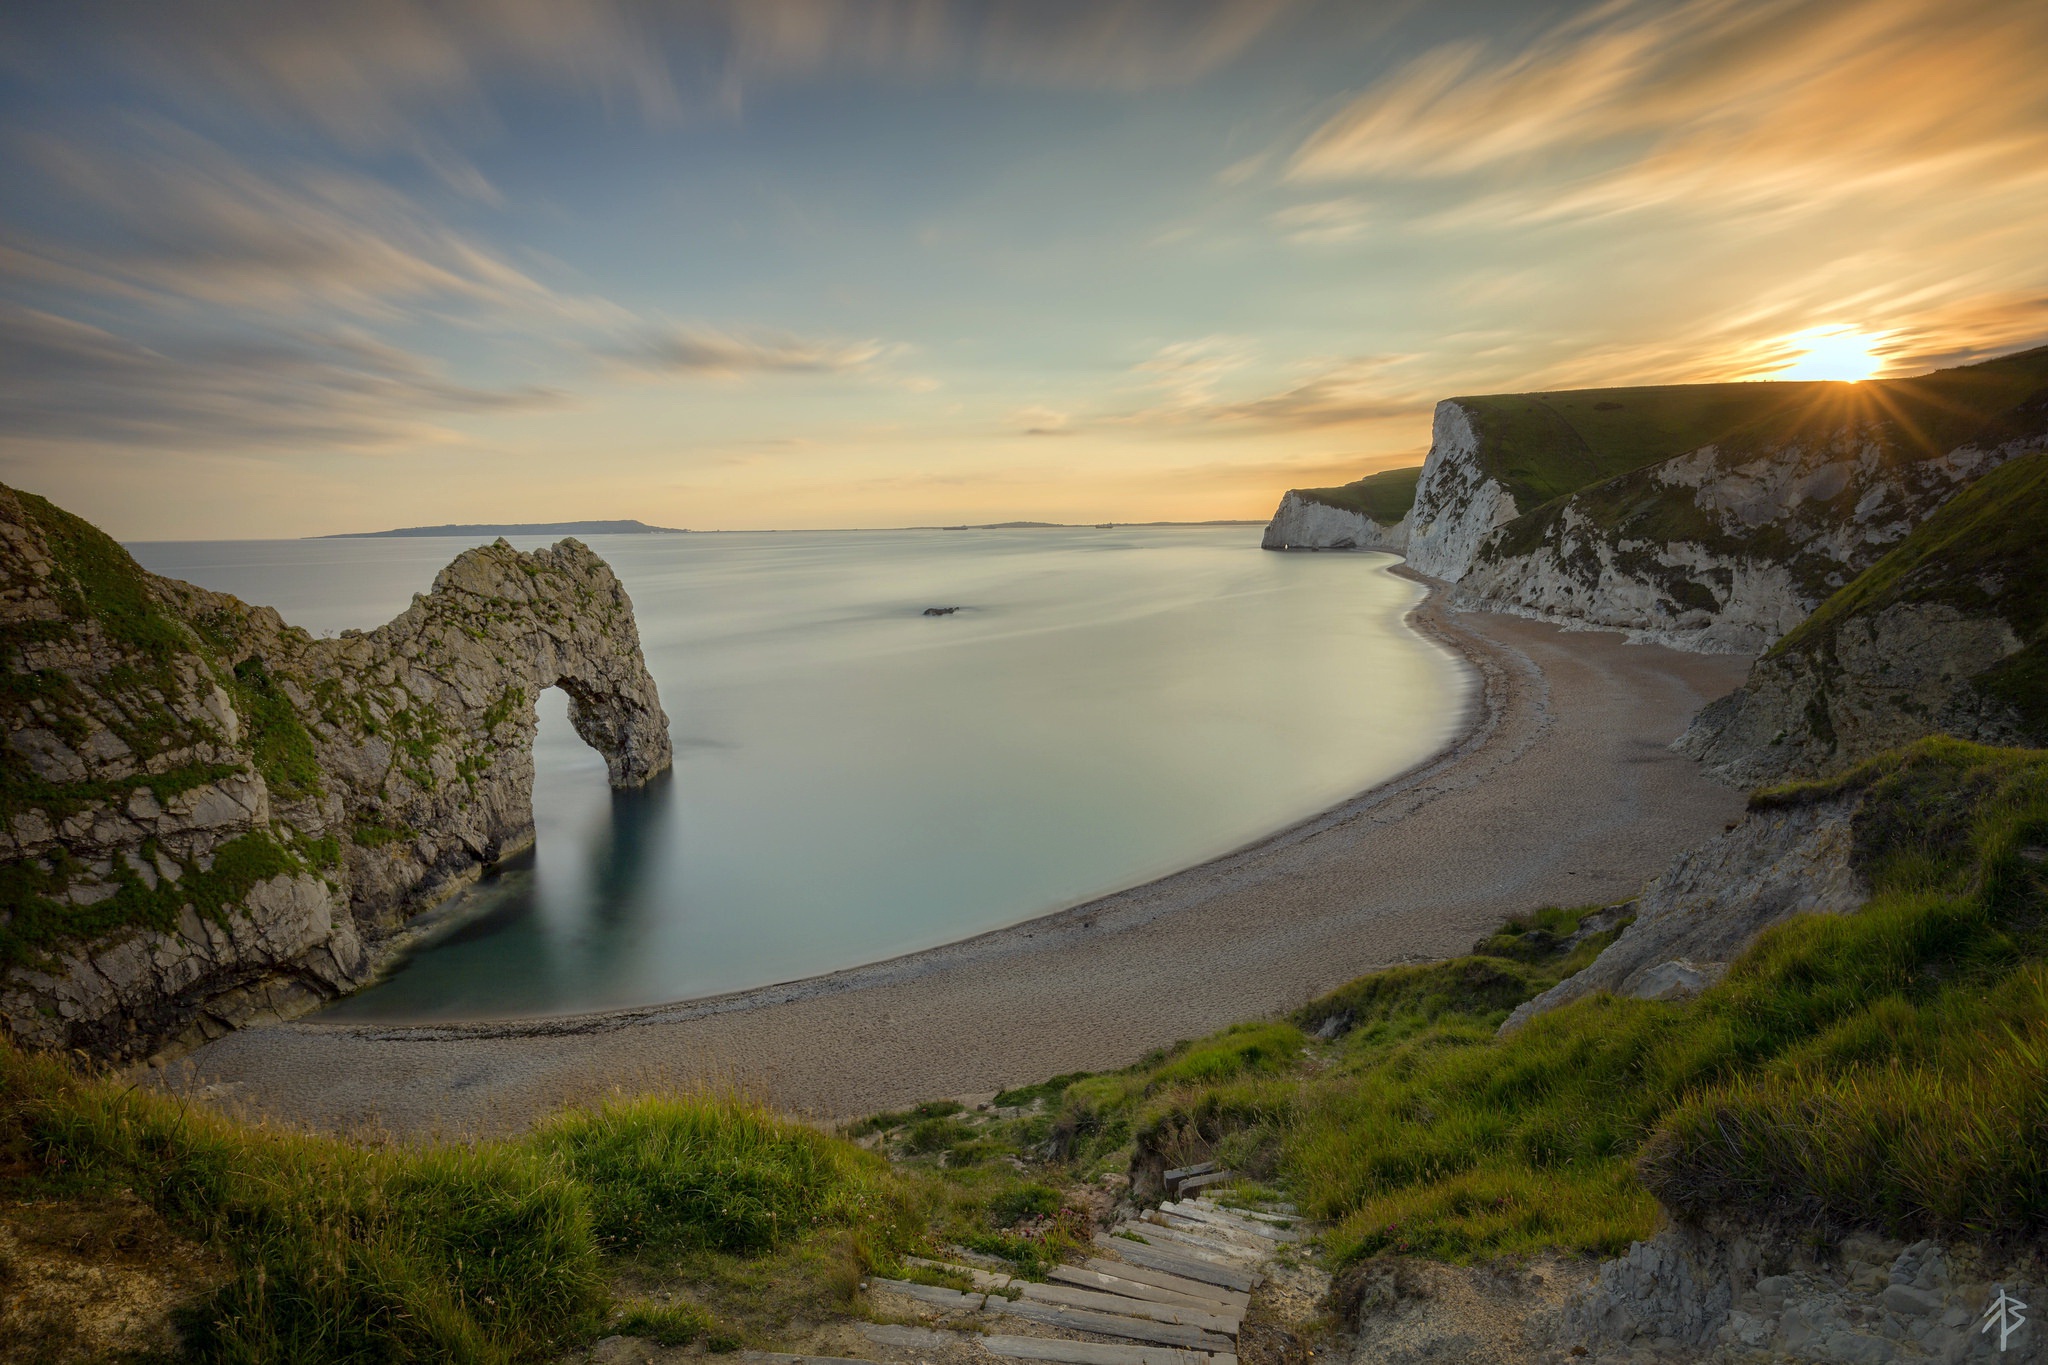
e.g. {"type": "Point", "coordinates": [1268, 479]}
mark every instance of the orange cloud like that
{"type": "Point", "coordinates": [1715, 104]}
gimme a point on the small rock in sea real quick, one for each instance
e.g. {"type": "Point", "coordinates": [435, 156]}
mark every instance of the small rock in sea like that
{"type": "Point", "coordinates": [940, 611]}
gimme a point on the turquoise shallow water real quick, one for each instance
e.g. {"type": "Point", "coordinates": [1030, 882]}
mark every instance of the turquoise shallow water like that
{"type": "Point", "coordinates": [855, 780]}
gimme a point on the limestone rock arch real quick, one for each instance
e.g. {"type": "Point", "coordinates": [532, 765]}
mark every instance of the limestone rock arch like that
{"type": "Point", "coordinates": [209, 818]}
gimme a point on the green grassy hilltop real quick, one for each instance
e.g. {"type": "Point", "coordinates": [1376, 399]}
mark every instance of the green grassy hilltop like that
{"type": "Point", "coordinates": [1385, 496]}
{"type": "Point", "coordinates": [1544, 446]}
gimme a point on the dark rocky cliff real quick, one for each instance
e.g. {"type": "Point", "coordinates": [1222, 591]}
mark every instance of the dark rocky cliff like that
{"type": "Point", "coordinates": [1947, 634]}
{"type": "Point", "coordinates": [209, 817]}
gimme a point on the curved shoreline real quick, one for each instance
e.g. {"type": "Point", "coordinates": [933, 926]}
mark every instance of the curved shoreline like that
{"type": "Point", "coordinates": [1449, 846]}
{"type": "Point", "coordinates": [1482, 714]}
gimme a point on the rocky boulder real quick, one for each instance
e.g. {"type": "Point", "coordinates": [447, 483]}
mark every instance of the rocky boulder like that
{"type": "Point", "coordinates": [1786, 857]}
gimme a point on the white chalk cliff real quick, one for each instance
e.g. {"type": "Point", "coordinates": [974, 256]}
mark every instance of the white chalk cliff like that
{"type": "Point", "coordinates": [1303, 523]}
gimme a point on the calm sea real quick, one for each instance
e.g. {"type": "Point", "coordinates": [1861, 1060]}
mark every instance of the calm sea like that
{"type": "Point", "coordinates": [856, 780]}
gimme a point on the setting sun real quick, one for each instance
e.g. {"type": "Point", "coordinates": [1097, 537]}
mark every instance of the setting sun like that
{"type": "Point", "coordinates": [1832, 353]}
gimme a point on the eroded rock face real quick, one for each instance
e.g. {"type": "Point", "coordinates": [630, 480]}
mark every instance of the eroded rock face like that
{"type": "Point", "coordinates": [1302, 523]}
{"type": "Point", "coordinates": [1721, 550]}
{"type": "Point", "coordinates": [1457, 504]}
{"type": "Point", "coordinates": [1944, 636]}
{"type": "Point", "coordinates": [1737, 1295]}
{"type": "Point", "coordinates": [1900, 674]}
{"type": "Point", "coordinates": [210, 817]}
{"type": "Point", "coordinates": [1712, 902]}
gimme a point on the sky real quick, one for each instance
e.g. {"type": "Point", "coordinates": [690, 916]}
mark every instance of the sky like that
{"type": "Point", "coordinates": [278, 269]}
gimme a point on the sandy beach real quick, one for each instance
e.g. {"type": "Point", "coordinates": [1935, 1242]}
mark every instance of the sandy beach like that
{"type": "Point", "coordinates": [1560, 790]}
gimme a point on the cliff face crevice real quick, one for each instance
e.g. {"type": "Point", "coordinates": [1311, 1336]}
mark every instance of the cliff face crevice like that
{"type": "Point", "coordinates": [209, 817]}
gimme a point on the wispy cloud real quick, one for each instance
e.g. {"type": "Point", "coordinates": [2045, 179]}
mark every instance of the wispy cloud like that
{"type": "Point", "coordinates": [62, 380]}
{"type": "Point", "coordinates": [1188, 373]}
{"type": "Point", "coordinates": [172, 214]}
{"type": "Point", "coordinates": [371, 75]}
{"type": "Point", "coordinates": [234, 307]}
{"type": "Point", "coordinates": [1335, 393]}
{"type": "Point", "coordinates": [1344, 395]}
{"type": "Point", "coordinates": [1715, 105]}
{"type": "Point", "coordinates": [1324, 222]}
{"type": "Point", "coordinates": [1040, 420]}
{"type": "Point", "coordinates": [704, 350]}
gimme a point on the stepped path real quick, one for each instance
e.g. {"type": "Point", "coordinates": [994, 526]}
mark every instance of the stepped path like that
{"type": "Point", "coordinates": [1170, 1286]}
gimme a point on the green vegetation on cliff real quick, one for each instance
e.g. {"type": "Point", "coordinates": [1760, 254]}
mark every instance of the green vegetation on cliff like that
{"type": "Point", "coordinates": [1544, 446]}
{"type": "Point", "coordinates": [1385, 497]}
{"type": "Point", "coordinates": [331, 1250]}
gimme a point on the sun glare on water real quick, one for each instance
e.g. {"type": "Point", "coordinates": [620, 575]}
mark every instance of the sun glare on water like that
{"type": "Point", "coordinates": [1832, 353]}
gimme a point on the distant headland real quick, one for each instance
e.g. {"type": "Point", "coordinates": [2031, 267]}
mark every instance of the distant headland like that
{"type": "Point", "coordinates": [519, 528]}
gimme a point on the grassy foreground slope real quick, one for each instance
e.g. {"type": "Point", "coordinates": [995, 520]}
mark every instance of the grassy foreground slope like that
{"type": "Point", "coordinates": [1879, 1070]}
{"type": "Point", "coordinates": [329, 1250]}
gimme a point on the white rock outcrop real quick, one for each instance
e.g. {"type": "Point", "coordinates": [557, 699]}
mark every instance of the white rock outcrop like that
{"type": "Point", "coordinates": [1457, 504]}
{"type": "Point", "coordinates": [1303, 523]}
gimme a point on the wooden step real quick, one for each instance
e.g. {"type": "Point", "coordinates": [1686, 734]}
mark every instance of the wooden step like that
{"type": "Point", "coordinates": [908, 1338]}
{"type": "Point", "coordinates": [1162, 1279]}
{"type": "Point", "coordinates": [930, 1293]}
{"type": "Point", "coordinates": [1192, 1244]}
{"type": "Point", "coordinates": [1256, 1242]}
{"type": "Point", "coordinates": [1187, 1267]}
{"type": "Point", "coordinates": [1066, 1296]}
{"type": "Point", "coordinates": [1105, 1282]}
{"type": "Point", "coordinates": [778, 1358]}
{"type": "Point", "coordinates": [1272, 1213]}
{"type": "Point", "coordinates": [983, 1279]}
{"type": "Point", "coordinates": [1208, 1213]}
{"type": "Point", "coordinates": [1095, 1352]}
{"type": "Point", "coordinates": [1172, 1178]}
{"type": "Point", "coordinates": [1111, 1325]}
{"type": "Point", "coordinates": [1203, 1181]}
